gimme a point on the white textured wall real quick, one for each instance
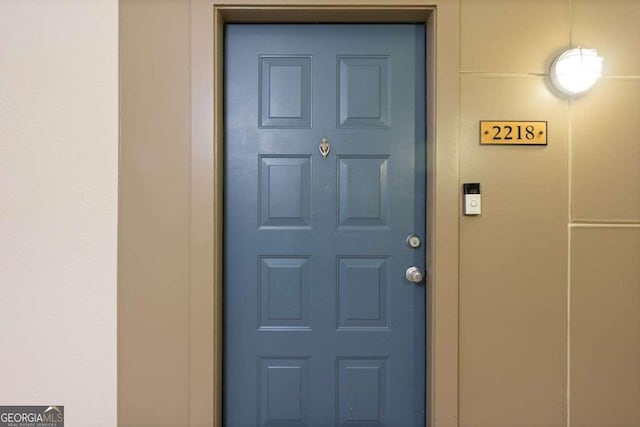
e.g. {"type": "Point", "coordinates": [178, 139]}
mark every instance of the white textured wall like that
{"type": "Point", "coordinates": [58, 206]}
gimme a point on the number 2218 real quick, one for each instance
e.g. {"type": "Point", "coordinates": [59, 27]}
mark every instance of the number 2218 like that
{"type": "Point", "coordinates": [505, 132]}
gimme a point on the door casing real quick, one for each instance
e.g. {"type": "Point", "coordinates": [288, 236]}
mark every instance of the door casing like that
{"type": "Point", "coordinates": [207, 182]}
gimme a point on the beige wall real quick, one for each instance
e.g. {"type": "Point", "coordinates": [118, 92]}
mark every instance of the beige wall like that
{"type": "Point", "coordinates": [58, 206]}
{"type": "Point", "coordinates": [549, 289]}
{"type": "Point", "coordinates": [549, 280]}
{"type": "Point", "coordinates": [153, 247]}
{"type": "Point", "coordinates": [513, 260]}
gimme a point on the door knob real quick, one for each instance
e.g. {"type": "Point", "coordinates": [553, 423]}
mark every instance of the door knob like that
{"type": "Point", "coordinates": [414, 274]}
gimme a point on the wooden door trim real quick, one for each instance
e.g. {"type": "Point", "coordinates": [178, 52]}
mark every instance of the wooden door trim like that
{"type": "Point", "coordinates": [207, 181]}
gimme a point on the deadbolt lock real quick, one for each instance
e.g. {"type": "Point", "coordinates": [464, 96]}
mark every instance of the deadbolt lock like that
{"type": "Point", "coordinates": [413, 241]}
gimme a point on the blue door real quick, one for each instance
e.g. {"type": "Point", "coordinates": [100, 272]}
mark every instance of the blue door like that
{"type": "Point", "coordinates": [324, 319]}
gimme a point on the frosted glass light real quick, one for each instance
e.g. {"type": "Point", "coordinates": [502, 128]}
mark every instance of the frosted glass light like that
{"type": "Point", "coordinates": [576, 70]}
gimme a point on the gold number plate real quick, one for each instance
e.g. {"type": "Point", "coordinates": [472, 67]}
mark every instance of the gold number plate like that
{"type": "Point", "coordinates": [513, 133]}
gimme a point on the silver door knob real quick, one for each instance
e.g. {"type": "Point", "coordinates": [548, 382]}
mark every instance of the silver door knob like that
{"type": "Point", "coordinates": [414, 274]}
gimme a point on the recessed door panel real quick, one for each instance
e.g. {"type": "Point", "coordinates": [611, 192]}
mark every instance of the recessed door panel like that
{"type": "Point", "coordinates": [285, 91]}
{"type": "Point", "coordinates": [284, 392]}
{"type": "Point", "coordinates": [363, 191]}
{"type": "Point", "coordinates": [363, 91]}
{"type": "Point", "coordinates": [324, 180]}
{"type": "Point", "coordinates": [285, 191]}
{"type": "Point", "coordinates": [362, 292]}
{"type": "Point", "coordinates": [362, 392]}
{"type": "Point", "coordinates": [284, 291]}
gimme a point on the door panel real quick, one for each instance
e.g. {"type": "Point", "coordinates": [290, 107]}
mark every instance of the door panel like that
{"type": "Point", "coordinates": [321, 326]}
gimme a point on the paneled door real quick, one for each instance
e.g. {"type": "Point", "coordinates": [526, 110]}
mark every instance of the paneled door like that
{"type": "Point", "coordinates": [324, 303]}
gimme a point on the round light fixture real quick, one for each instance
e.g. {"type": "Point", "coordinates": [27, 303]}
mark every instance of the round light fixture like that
{"type": "Point", "coordinates": [576, 70]}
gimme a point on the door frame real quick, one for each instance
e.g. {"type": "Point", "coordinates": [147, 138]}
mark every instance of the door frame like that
{"type": "Point", "coordinates": [207, 181]}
